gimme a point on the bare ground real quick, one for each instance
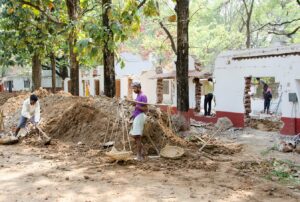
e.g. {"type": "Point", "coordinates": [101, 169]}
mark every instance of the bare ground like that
{"type": "Point", "coordinates": [64, 172]}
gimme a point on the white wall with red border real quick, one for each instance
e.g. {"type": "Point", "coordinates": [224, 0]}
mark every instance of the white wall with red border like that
{"type": "Point", "coordinates": [282, 62]}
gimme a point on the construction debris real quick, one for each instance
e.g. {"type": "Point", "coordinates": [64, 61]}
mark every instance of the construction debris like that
{"type": "Point", "coordinates": [290, 144]}
{"type": "Point", "coordinates": [8, 139]}
{"type": "Point", "coordinates": [224, 123]}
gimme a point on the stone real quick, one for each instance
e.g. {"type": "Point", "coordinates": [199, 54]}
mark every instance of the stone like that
{"type": "Point", "coordinates": [224, 123]}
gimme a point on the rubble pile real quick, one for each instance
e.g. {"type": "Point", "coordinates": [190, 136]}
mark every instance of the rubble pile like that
{"type": "Point", "coordinates": [266, 125]}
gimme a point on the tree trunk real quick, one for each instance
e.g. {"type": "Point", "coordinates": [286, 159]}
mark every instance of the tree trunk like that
{"type": "Point", "coordinates": [73, 7]}
{"type": "Point", "coordinates": [36, 71]}
{"type": "Point", "coordinates": [182, 63]}
{"type": "Point", "coordinates": [108, 54]}
{"type": "Point", "coordinates": [53, 68]}
{"type": "Point", "coordinates": [159, 86]}
{"type": "Point", "coordinates": [249, 11]}
{"type": "Point", "coordinates": [248, 34]}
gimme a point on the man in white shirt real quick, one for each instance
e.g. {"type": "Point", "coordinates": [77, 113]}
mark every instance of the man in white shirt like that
{"type": "Point", "coordinates": [30, 111]}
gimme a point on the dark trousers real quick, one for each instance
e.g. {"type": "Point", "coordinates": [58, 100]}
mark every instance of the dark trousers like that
{"type": "Point", "coordinates": [267, 105]}
{"type": "Point", "coordinates": [207, 104]}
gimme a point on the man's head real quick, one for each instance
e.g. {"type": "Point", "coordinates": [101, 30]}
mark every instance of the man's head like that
{"type": "Point", "coordinates": [136, 86]}
{"type": "Point", "coordinates": [33, 99]}
{"type": "Point", "coordinates": [257, 79]}
{"type": "Point", "coordinates": [210, 79]}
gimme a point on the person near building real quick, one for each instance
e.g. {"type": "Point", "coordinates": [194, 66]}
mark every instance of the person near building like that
{"type": "Point", "coordinates": [267, 100]}
{"type": "Point", "coordinates": [30, 112]}
{"type": "Point", "coordinates": [138, 117]}
{"type": "Point", "coordinates": [264, 85]}
{"type": "Point", "coordinates": [208, 88]}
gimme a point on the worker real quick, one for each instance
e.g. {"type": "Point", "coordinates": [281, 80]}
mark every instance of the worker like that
{"type": "Point", "coordinates": [208, 88]}
{"type": "Point", "coordinates": [30, 112]}
{"type": "Point", "coordinates": [267, 100]}
{"type": "Point", "coordinates": [264, 85]}
{"type": "Point", "coordinates": [138, 117]}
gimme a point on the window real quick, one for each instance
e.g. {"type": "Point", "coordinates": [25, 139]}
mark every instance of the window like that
{"type": "Point", "coordinates": [27, 83]}
{"type": "Point", "coordinates": [270, 81]}
{"type": "Point", "coordinates": [166, 87]}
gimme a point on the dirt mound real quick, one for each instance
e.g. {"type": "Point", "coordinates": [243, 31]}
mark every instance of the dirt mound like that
{"type": "Point", "coordinates": [92, 121]}
{"type": "Point", "coordinates": [266, 125]}
{"type": "Point", "coordinates": [13, 104]}
{"type": "Point", "coordinates": [41, 93]}
{"type": "Point", "coordinates": [4, 96]}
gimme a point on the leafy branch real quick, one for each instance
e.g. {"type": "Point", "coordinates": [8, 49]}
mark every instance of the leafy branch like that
{"type": "Point", "coordinates": [49, 17]}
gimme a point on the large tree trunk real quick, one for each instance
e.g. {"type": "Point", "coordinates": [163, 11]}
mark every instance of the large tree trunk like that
{"type": "Point", "coordinates": [53, 68]}
{"type": "Point", "coordinates": [108, 54]}
{"type": "Point", "coordinates": [73, 7]}
{"type": "Point", "coordinates": [36, 71]}
{"type": "Point", "coordinates": [182, 63]}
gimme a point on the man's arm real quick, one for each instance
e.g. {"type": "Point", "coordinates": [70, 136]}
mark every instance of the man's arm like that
{"type": "Point", "coordinates": [143, 107]}
{"type": "Point", "coordinates": [37, 113]}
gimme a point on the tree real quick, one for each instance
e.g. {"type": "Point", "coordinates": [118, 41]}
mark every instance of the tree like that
{"type": "Point", "coordinates": [182, 63]}
{"type": "Point", "coordinates": [73, 7]}
{"type": "Point", "coordinates": [249, 12]}
{"type": "Point", "coordinates": [108, 53]}
{"type": "Point", "coordinates": [27, 36]}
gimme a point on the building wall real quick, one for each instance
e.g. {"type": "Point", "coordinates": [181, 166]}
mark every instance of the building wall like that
{"type": "Point", "coordinates": [149, 85]}
{"type": "Point", "coordinates": [124, 86]}
{"type": "Point", "coordinates": [230, 74]}
{"type": "Point", "coordinates": [87, 76]}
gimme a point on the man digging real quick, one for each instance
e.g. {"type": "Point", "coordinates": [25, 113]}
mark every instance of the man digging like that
{"type": "Point", "coordinates": [138, 117]}
{"type": "Point", "coordinates": [30, 111]}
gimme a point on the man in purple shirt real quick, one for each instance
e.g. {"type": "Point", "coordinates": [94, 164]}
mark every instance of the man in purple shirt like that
{"type": "Point", "coordinates": [138, 117]}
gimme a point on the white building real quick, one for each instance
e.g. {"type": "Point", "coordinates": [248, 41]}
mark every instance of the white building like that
{"type": "Point", "coordinates": [23, 81]}
{"type": "Point", "coordinates": [281, 62]}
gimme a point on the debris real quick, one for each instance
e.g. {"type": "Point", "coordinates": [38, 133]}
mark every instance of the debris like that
{"type": "Point", "coordinates": [285, 147]}
{"type": "Point", "coordinates": [8, 140]}
{"type": "Point", "coordinates": [266, 125]}
{"type": "Point", "coordinates": [224, 123]}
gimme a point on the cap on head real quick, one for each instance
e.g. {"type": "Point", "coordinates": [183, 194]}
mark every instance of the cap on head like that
{"type": "Point", "coordinates": [210, 79]}
{"type": "Point", "coordinates": [136, 84]}
{"type": "Point", "coordinates": [33, 97]}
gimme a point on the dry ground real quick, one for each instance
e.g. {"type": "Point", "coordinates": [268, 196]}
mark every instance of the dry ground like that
{"type": "Point", "coordinates": [64, 172]}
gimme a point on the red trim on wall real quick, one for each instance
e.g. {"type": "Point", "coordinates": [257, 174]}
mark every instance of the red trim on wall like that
{"type": "Point", "coordinates": [291, 126]}
{"type": "Point", "coordinates": [236, 118]}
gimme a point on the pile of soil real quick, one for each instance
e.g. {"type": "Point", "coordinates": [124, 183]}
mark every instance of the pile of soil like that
{"type": "Point", "coordinates": [91, 121]}
{"type": "Point", "coordinates": [266, 125]}
{"type": "Point", "coordinates": [4, 96]}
